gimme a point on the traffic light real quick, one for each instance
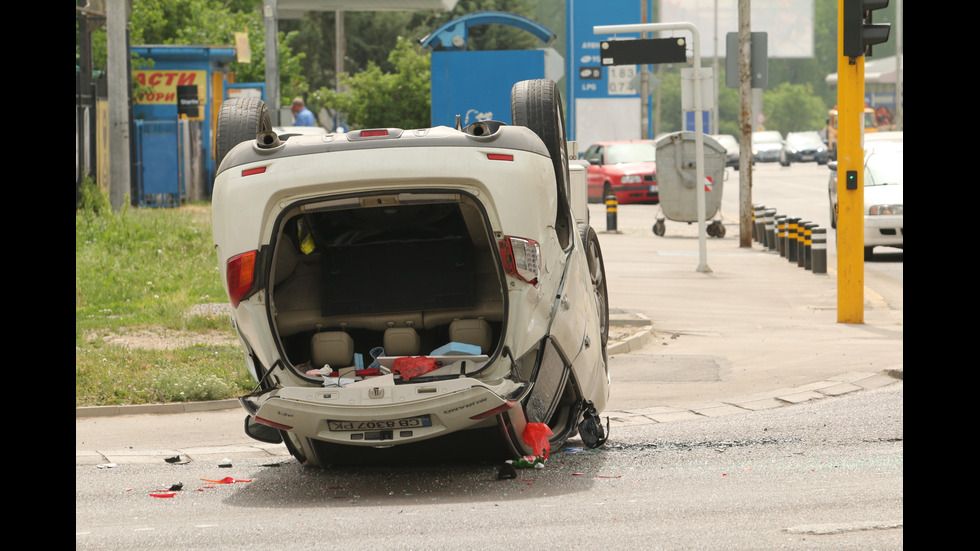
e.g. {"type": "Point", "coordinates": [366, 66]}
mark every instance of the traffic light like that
{"type": "Point", "coordinates": [859, 32]}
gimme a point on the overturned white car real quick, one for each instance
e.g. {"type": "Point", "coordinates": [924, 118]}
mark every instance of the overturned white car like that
{"type": "Point", "coordinates": [391, 286]}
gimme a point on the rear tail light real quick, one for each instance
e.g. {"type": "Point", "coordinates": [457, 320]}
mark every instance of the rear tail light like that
{"type": "Point", "coordinates": [241, 276]}
{"type": "Point", "coordinates": [521, 258]}
{"type": "Point", "coordinates": [272, 424]}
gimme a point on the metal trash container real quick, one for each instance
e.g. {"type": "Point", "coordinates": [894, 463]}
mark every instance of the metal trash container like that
{"type": "Point", "coordinates": [676, 175]}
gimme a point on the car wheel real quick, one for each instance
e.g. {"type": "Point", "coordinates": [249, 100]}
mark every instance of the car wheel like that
{"type": "Point", "coordinates": [536, 104]}
{"type": "Point", "coordinates": [869, 253]}
{"type": "Point", "coordinates": [239, 120]}
{"type": "Point", "coordinates": [597, 271]}
{"type": "Point", "coordinates": [833, 216]}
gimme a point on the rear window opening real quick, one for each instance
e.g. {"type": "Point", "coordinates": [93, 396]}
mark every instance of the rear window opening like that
{"type": "Point", "coordinates": [407, 272]}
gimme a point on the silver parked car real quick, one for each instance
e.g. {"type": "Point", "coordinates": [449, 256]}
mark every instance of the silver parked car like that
{"type": "Point", "coordinates": [766, 146]}
{"type": "Point", "coordinates": [732, 149]}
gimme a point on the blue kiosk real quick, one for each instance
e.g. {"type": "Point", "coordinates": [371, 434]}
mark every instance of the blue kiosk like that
{"type": "Point", "coordinates": [174, 121]}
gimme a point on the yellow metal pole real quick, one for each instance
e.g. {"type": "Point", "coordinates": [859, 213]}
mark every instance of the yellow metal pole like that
{"type": "Point", "coordinates": [850, 182]}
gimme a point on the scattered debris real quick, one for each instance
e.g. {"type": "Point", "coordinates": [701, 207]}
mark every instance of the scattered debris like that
{"type": "Point", "coordinates": [506, 471]}
{"type": "Point", "coordinates": [227, 480]}
{"type": "Point", "coordinates": [536, 435]}
{"type": "Point", "coordinates": [590, 429]}
{"type": "Point", "coordinates": [106, 466]}
{"type": "Point", "coordinates": [225, 464]}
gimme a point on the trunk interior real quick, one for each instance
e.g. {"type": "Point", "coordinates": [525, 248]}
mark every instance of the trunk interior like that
{"type": "Point", "coordinates": [409, 272]}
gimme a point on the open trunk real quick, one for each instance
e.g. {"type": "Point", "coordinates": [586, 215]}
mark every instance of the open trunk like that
{"type": "Point", "coordinates": [409, 272]}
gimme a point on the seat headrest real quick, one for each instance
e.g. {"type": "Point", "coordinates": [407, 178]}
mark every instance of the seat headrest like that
{"type": "Point", "coordinates": [471, 331]}
{"type": "Point", "coordinates": [332, 348]}
{"type": "Point", "coordinates": [401, 341]}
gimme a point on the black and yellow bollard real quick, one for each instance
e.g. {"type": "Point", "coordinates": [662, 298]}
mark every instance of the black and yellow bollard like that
{"type": "Point", "coordinates": [781, 234]}
{"type": "Point", "coordinates": [791, 229]}
{"type": "Point", "coordinates": [819, 250]}
{"type": "Point", "coordinates": [611, 206]}
{"type": "Point", "coordinates": [771, 229]}
{"type": "Point", "coordinates": [808, 246]}
{"type": "Point", "coordinates": [801, 242]}
{"type": "Point", "coordinates": [758, 223]}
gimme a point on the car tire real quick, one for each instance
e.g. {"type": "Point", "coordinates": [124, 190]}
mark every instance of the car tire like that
{"type": "Point", "coordinates": [239, 120]}
{"type": "Point", "coordinates": [833, 217]}
{"type": "Point", "coordinates": [597, 272]}
{"type": "Point", "coordinates": [869, 253]}
{"type": "Point", "coordinates": [536, 104]}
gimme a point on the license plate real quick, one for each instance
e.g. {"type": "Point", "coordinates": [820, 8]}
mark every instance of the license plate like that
{"type": "Point", "coordinates": [807, 157]}
{"type": "Point", "coordinates": [406, 423]}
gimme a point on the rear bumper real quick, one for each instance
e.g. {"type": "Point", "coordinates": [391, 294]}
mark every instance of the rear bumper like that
{"type": "Point", "coordinates": [378, 412]}
{"type": "Point", "coordinates": [884, 230]}
{"type": "Point", "coordinates": [637, 193]}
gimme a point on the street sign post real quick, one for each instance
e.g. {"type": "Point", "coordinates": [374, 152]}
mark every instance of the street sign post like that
{"type": "Point", "coordinates": [698, 108]}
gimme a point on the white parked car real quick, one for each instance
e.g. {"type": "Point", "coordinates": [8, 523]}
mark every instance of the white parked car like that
{"type": "Point", "coordinates": [392, 286]}
{"type": "Point", "coordinates": [884, 190]}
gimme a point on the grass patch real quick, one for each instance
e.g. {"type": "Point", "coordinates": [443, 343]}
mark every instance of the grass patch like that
{"type": "Point", "coordinates": [114, 375]}
{"type": "Point", "coordinates": [146, 269]}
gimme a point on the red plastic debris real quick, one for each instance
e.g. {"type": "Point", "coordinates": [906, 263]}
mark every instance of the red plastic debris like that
{"type": "Point", "coordinates": [413, 366]}
{"type": "Point", "coordinates": [163, 494]}
{"type": "Point", "coordinates": [536, 435]}
{"type": "Point", "coordinates": [226, 480]}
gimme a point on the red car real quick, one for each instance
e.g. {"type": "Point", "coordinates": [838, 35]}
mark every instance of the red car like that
{"type": "Point", "coordinates": [627, 168]}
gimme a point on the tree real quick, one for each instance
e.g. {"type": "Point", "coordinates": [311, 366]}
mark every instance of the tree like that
{"type": "Point", "coordinates": [793, 108]}
{"type": "Point", "coordinates": [376, 99]}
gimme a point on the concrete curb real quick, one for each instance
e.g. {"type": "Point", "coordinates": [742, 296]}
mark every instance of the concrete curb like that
{"type": "Point", "coordinates": [151, 409]}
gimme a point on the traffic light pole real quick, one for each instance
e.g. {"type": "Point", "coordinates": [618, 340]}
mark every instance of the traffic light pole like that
{"type": "Point", "coordinates": [850, 181]}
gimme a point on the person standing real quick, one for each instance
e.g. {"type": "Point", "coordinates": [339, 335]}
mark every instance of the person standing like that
{"type": "Point", "coordinates": [302, 116]}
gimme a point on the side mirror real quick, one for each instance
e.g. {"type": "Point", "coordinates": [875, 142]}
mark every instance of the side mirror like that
{"type": "Point", "coordinates": [262, 433]}
{"type": "Point", "coordinates": [832, 165]}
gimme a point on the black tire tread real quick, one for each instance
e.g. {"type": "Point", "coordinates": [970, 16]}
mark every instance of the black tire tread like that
{"type": "Point", "coordinates": [239, 120]}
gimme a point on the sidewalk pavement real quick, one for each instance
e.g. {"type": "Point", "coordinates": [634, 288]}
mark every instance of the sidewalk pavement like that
{"type": "Point", "coordinates": [751, 331]}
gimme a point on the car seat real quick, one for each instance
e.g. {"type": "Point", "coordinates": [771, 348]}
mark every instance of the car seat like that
{"type": "Point", "coordinates": [331, 349]}
{"type": "Point", "coordinates": [471, 331]}
{"type": "Point", "coordinates": [401, 341]}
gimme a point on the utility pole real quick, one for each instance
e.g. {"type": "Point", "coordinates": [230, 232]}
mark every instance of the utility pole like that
{"type": "Point", "coordinates": [117, 45]}
{"type": "Point", "coordinates": [744, 125]}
